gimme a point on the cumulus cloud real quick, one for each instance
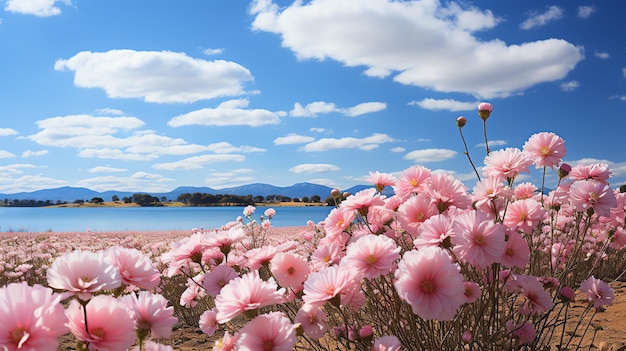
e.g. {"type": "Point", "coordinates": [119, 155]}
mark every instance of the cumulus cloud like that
{"type": "Point", "coordinates": [29, 183]}
{"type": "Point", "coordinates": [105, 169]}
{"type": "Point", "coordinates": [319, 107]}
{"type": "Point", "coordinates": [493, 143]}
{"type": "Point", "coordinates": [160, 77]}
{"type": "Point", "coordinates": [429, 155]}
{"type": "Point", "coordinates": [138, 181]}
{"type": "Point", "coordinates": [227, 148]}
{"type": "Point", "coordinates": [6, 154]}
{"type": "Point", "coordinates": [293, 139]}
{"type": "Point", "coordinates": [228, 113]}
{"type": "Point", "coordinates": [366, 107]}
{"type": "Point", "coordinates": [367, 143]}
{"type": "Point", "coordinates": [314, 168]}
{"type": "Point", "coordinates": [398, 149]}
{"type": "Point", "coordinates": [198, 162]}
{"type": "Point", "coordinates": [29, 153]}
{"type": "Point", "coordinates": [570, 86]}
{"type": "Point", "coordinates": [418, 42]}
{"type": "Point", "coordinates": [39, 8]}
{"type": "Point", "coordinates": [541, 19]}
{"type": "Point", "coordinates": [7, 132]}
{"type": "Point", "coordinates": [445, 104]}
{"type": "Point", "coordinates": [585, 11]}
{"type": "Point", "coordinates": [601, 55]}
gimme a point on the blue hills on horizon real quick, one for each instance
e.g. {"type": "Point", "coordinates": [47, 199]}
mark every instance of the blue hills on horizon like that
{"type": "Point", "coordinates": [71, 194]}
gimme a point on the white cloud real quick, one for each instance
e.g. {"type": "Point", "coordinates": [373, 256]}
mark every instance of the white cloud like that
{"type": "Point", "coordinates": [15, 168]}
{"type": "Point", "coordinates": [429, 155]}
{"type": "Point", "coordinates": [318, 130]}
{"type": "Point", "coordinates": [29, 183]}
{"type": "Point", "coordinates": [293, 139]}
{"type": "Point", "coordinates": [210, 52]}
{"type": "Point", "coordinates": [109, 111]}
{"type": "Point", "coordinates": [363, 108]}
{"type": "Point", "coordinates": [493, 143]}
{"type": "Point", "coordinates": [226, 148]}
{"type": "Point", "coordinates": [398, 149]}
{"type": "Point", "coordinates": [6, 154]}
{"type": "Point", "coordinates": [105, 169]}
{"type": "Point", "coordinates": [570, 86]}
{"type": "Point", "coordinates": [228, 179]}
{"type": "Point", "coordinates": [228, 113]}
{"type": "Point", "coordinates": [7, 131]}
{"type": "Point", "coordinates": [445, 104]}
{"type": "Point", "coordinates": [315, 108]}
{"type": "Point", "coordinates": [39, 8]}
{"type": "Point", "coordinates": [541, 19]}
{"type": "Point", "coordinates": [602, 55]}
{"type": "Point", "coordinates": [160, 77]}
{"type": "Point", "coordinates": [29, 153]}
{"type": "Point", "coordinates": [139, 181]}
{"type": "Point", "coordinates": [314, 168]}
{"type": "Point", "coordinates": [420, 42]}
{"type": "Point", "coordinates": [198, 162]}
{"type": "Point", "coordinates": [366, 143]}
{"type": "Point", "coordinates": [585, 11]}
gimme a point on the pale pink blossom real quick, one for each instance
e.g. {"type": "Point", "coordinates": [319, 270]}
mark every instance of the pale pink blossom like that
{"type": "Point", "coordinates": [434, 231]}
{"type": "Point", "coordinates": [598, 293]}
{"type": "Point", "coordinates": [338, 221]}
{"type": "Point", "coordinates": [413, 180]}
{"type": "Point", "coordinates": [546, 149]}
{"type": "Point", "coordinates": [490, 195]}
{"type": "Point", "coordinates": [372, 255]}
{"type": "Point", "coordinates": [484, 110]}
{"type": "Point", "coordinates": [31, 317]}
{"type": "Point", "coordinates": [249, 211]}
{"type": "Point", "coordinates": [524, 190]}
{"type": "Point", "coordinates": [185, 252]}
{"type": "Point", "coordinates": [414, 211]}
{"type": "Point", "coordinates": [110, 325]}
{"type": "Point", "coordinates": [226, 343]}
{"type": "Point", "coordinates": [135, 267]}
{"type": "Point", "coordinates": [387, 343]}
{"type": "Point", "coordinates": [381, 180]}
{"type": "Point", "coordinates": [313, 321]}
{"type": "Point", "coordinates": [506, 164]}
{"type": "Point", "coordinates": [471, 292]}
{"type": "Point", "coordinates": [431, 283]}
{"type": "Point", "coordinates": [379, 218]}
{"type": "Point", "coordinates": [592, 194]}
{"type": "Point", "coordinates": [524, 215]}
{"type": "Point", "coordinates": [289, 269]}
{"type": "Point", "coordinates": [595, 171]}
{"type": "Point", "coordinates": [246, 293]}
{"type": "Point", "coordinates": [208, 322]}
{"type": "Point", "coordinates": [525, 333]}
{"type": "Point", "coordinates": [217, 278]}
{"type": "Point", "coordinates": [330, 284]}
{"type": "Point", "coordinates": [517, 252]}
{"type": "Point", "coordinates": [362, 201]}
{"type": "Point", "coordinates": [477, 239]}
{"type": "Point", "coordinates": [446, 191]}
{"type": "Point", "coordinates": [151, 312]}
{"type": "Point", "coordinates": [269, 213]}
{"type": "Point", "coordinates": [150, 345]}
{"type": "Point", "coordinates": [225, 239]}
{"type": "Point", "coordinates": [537, 299]}
{"type": "Point", "coordinates": [326, 254]}
{"type": "Point", "coordinates": [269, 332]}
{"type": "Point", "coordinates": [83, 273]}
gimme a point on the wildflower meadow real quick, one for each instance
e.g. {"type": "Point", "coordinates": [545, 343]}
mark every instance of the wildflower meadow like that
{"type": "Point", "coordinates": [435, 266]}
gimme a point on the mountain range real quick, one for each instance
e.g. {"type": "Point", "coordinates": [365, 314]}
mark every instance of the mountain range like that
{"type": "Point", "coordinates": [70, 194]}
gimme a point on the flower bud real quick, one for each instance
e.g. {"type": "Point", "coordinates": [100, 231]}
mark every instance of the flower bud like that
{"type": "Point", "coordinates": [564, 170]}
{"type": "Point", "coordinates": [335, 193]}
{"type": "Point", "coordinates": [460, 121]}
{"type": "Point", "coordinates": [484, 110]}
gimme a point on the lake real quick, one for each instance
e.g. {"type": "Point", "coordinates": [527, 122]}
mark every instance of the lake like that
{"type": "Point", "coordinates": [41, 219]}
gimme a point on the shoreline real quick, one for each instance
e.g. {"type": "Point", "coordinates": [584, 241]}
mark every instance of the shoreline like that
{"type": "Point", "coordinates": [274, 230]}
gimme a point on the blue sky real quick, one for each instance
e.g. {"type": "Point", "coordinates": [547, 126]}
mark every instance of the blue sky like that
{"type": "Point", "coordinates": [151, 95]}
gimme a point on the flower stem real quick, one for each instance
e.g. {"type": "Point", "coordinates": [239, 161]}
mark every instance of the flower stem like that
{"type": "Point", "coordinates": [467, 154]}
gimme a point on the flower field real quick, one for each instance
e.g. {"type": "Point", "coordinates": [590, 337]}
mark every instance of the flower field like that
{"type": "Point", "coordinates": [437, 266]}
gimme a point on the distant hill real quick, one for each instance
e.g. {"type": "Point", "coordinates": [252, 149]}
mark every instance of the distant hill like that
{"type": "Point", "coordinates": [70, 194]}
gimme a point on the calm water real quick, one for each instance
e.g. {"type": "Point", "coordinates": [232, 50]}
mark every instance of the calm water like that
{"type": "Point", "coordinates": [143, 218]}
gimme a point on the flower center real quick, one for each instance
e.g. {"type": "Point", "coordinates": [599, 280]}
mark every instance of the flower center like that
{"type": "Point", "coordinates": [19, 336]}
{"type": "Point", "coordinates": [427, 286]}
{"type": "Point", "coordinates": [371, 259]}
{"type": "Point", "coordinates": [420, 217]}
{"type": "Point", "coordinates": [593, 198]}
{"type": "Point", "coordinates": [268, 345]}
{"type": "Point", "coordinates": [97, 332]}
{"type": "Point", "coordinates": [291, 270]}
{"type": "Point", "coordinates": [545, 151]}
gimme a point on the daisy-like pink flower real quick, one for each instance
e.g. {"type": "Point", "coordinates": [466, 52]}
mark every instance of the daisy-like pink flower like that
{"type": "Point", "coordinates": [524, 190]}
{"type": "Point", "coordinates": [546, 149]}
{"type": "Point", "coordinates": [337, 221]}
{"type": "Point", "coordinates": [381, 180]}
{"type": "Point", "coordinates": [313, 321]}
{"type": "Point", "coordinates": [506, 164]}
{"type": "Point", "coordinates": [150, 345]}
{"type": "Point", "coordinates": [208, 322]}
{"type": "Point", "coordinates": [387, 343]}
{"type": "Point", "coordinates": [246, 293]}
{"type": "Point", "coordinates": [525, 333]}
{"type": "Point", "coordinates": [434, 231]}
{"type": "Point", "coordinates": [414, 211]}
{"type": "Point", "coordinates": [471, 292]}
{"type": "Point", "coordinates": [412, 181]}
{"type": "Point", "coordinates": [477, 239]}
{"type": "Point", "coordinates": [151, 313]}
{"type": "Point", "coordinates": [110, 325]}
{"type": "Point", "coordinates": [592, 194]}
{"type": "Point", "coordinates": [269, 332]}
{"type": "Point", "coordinates": [248, 211]}
{"type": "Point", "coordinates": [524, 215]}
{"type": "Point", "coordinates": [517, 252]}
{"type": "Point", "coordinates": [185, 252]}
{"type": "Point", "coordinates": [83, 273]}
{"type": "Point", "coordinates": [596, 171]}
{"type": "Point", "coordinates": [135, 267]}
{"type": "Point", "coordinates": [446, 191]}
{"type": "Point", "coordinates": [537, 299]}
{"type": "Point", "coordinates": [31, 317]}
{"type": "Point", "coordinates": [217, 278]}
{"type": "Point", "coordinates": [330, 284]}
{"type": "Point", "coordinates": [326, 254]}
{"type": "Point", "coordinates": [372, 255]}
{"type": "Point", "coordinates": [224, 239]}
{"type": "Point", "coordinates": [226, 343]}
{"type": "Point", "coordinates": [431, 283]}
{"type": "Point", "coordinates": [598, 293]}
{"type": "Point", "coordinates": [362, 201]}
{"type": "Point", "coordinates": [289, 269]}
{"type": "Point", "coordinates": [490, 195]}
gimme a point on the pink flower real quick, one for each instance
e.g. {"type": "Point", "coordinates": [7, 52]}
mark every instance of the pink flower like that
{"type": "Point", "coordinates": [249, 211]}
{"type": "Point", "coordinates": [110, 325]}
{"type": "Point", "coordinates": [217, 278]}
{"type": "Point", "coordinates": [208, 322]}
{"type": "Point", "coordinates": [31, 318]}
{"type": "Point", "coordinates": [326, 254]}
{"type": "Point", "coordinates": [412, 181]}
{"type": "Point", "coordinates": [538, 300]}
{"type": "Point", "coordinates": [313, 321]}
{"type": "Point", "coordinates": [381, 180]}
{"type": "Point", "coordinates": [446, 191]}
{"type": "Point", "coordinates": [372, 255]}
{"type": "Point", "coordinates": [269, 213]}
{"type": "Point", "coordinates": [506, 164]}
{"type": "Point", "coordinates": [596, 171]}
{"type": "Point", "coordinates": [472, 292]}
{"type": "Point", "coordinates": [484, 110]}
{"type": "Point", "coordinates": [477, 239]}
{"type": "Point", "coordinates": [517, 252]}
{"type": "Point", "coordinates": [184, 252]}
{"type": "Point", "coordinates": [525, 333]}
{"type": "Point", "coordinates": [269, 332]}
{"type": "Point", "coordinates": [546, 149]}
{"type": "Point", "coordinates": [150, 312]}
{"type": "Point", "coordinates": [227, 343]}
{"type": "Point", "coordinates": [224, 239]}
{"type": "Point", "coordinates": [337, 221]}
{"type": "Point", "coordinates": [525, 191]}
{"type": "Point", "coordinates": [362, 201]}
{"type": "Point", "coordinates": [329, 284]}
{"type": "Point", "coordinates": [431, 283]}
{"type": "Point", "coordinates": [490, 195]}
{"type": "Point", "coordinates": [592, 194]}
{"type": "Point", "coordinates": [434, 231]}
{"type": "Point", "coordinates": [414, 211]}
{"type": "Point", "coordinates": [387, 343]}
{"type": "Point", "coordinates": [524, 215]}
{"type": "Point", "coordinates": [246, 293]}
{"type": "Point", "coordinates": [290, 270]}
{"type": "Point", "coordinates": [135, 268]}
{"type": "Point", "coordinates": [83, 273]}
{"type": "Point", "coordinates": [150, 345]}
{"type": "Point", "coordinates": [599, 293]}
